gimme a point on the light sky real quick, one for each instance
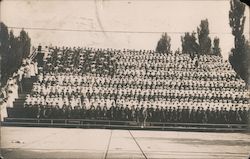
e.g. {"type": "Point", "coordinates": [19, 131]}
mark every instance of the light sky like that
{"type": "Point", "coordinates": [173, 16]}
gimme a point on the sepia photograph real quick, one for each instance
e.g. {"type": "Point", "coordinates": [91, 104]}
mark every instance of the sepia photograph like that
{"type": "Point", "coordinates": [124, 79]}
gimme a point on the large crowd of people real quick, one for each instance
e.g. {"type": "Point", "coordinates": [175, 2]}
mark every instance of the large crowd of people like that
{"type": "Point", "coordinates": [172, 87]}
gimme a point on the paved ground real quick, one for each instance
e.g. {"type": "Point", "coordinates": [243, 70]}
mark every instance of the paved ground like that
{"type": "Point", "coordinates": [20, 142]}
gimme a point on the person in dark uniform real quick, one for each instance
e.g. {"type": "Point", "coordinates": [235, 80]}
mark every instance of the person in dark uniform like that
{"type": "Point", "coordinates": [244, 116]}
{"type": "Point", "coordinates": [221, 116]}
{"type": "Point", "coordinates": [133, 113]}
{"type": "Point", "coordinates": [122, 113]}
{"type": "Point", "coordinates": [213, 116]}
{"type": "Point", "coordinates": [231, 116]}
{"type": "Point", "coordinates": [117, 112]}
{"type": "Point", "coordinates": [174, 115]}
{"type": "Point", "coordinates": [64, 116]}
{"type": "Point", "coordinates": [48, 112]}
{"type": "Point", "coordinates": [27, 109]}
{"type": "Point", "coordinates": [170, 114]}
{"type": "Point", "coordinates": [78, 111]}
{"type": "Point", "coordinates": [34, 110]}
{"type": "Point", "coordinates": [143, 116]}
{"type": "Point", "coordinates": [98, 111]}
{"type": "Point", "coordinates": [42, 109]}
{"type": "Point", "coordinates": [137, 114]}
{"type": "Point", "coordinates": [183, 115]}
{"type": "Point", "coordinates": [192, 115]}
{"type": "Point", "coordinates": [162, 115]}
{"type": "Point", "coordinates": [83, 111]}
{"type": "Point", "coordinates": [208, 115]}
{"type": "Point", "coordinates": [38, 112]}
{"type": "Point", "coordinates": [55, 111]}
{"type": "Point", "coordinates": [156, 114]}
{"type": "Point", "coordinates": [241, 115]}
{"type": "Point", "coordinates": [178, 113]}
{"type": "Point", "coordinates": [187, 114]}
{"type": "Point", "coordinates": [217, 115]}
{"type": "Point", "coordinates": [105, 112]}
{"type": "Point", "coordinates": [150, 112]}
{"type": "Point", "coordinates": [237, 116]}
{"type": "Point", "coordinates": [127, 113]}
{"type": "Point", "coordinates": [166, 114]}
{"type": "Point", "coordinates": [111, 112]}
{"type": "Point", "coordinates": [69, 111]}
{"type": "Point", "coordinates": [198, 117]}
{"type": "Point", "coordinates": [225, 116]}
{"type": "Point", "coordinates": [91, 111]}
{"type": "Point", "coordinates": [203, 116]}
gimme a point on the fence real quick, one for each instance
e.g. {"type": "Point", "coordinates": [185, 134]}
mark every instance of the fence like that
{"type": "Point", "coordinates": [111, 124]}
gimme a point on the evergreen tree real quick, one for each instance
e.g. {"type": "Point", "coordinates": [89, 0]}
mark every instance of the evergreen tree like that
{"type": "Point", "coordinates": [164, 44]}
{"type": "Point", "coordinates": [189, 44]}
{"type": "Point", "coordinates": [12, 51]}
{"type": "Point", "coordinates": [240, 52]}
{"type": "Point", "coordinates": [25, 43]}
{"type": "Point", "coordinates": [216, 48]}
{"type": "Point", "coordinates": [246, 62]}
{"type": "Point", "coordinates": [204, 39]}
{"type": "Point", "coordinates": [15, 52]}
{"type": "Point", "coordinates": [4, 47]}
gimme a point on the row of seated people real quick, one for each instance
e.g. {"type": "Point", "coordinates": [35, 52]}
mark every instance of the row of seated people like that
{"type": "Point", "coordinates": [176, 61]}
{"type": "Point", "coordinates": [86, 93]}
{"type": "Point", "coordinates": [151, 54]}
{"type": "Point", "coordinates": [67, 53]}
{"type": "Point", "coordinates": [129, 52]}
{"type": "Point", "coordinates": [139, 113]}
{"type": "Point", "coordinates": [137, 82]}
{"type": "Point", "coordinates": [179, 74]}
{"type": "Point", "coordinates": [74, 100]}
{"type": "Point", "coordinates": [165, 57]}
{"type": "Point", "coordinates": [134, 62]}
{"type": "Point", "coordinates": [163, 75]}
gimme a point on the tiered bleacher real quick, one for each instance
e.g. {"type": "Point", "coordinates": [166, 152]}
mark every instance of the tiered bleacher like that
{"type": "Point", "coordinates": [130, 85]}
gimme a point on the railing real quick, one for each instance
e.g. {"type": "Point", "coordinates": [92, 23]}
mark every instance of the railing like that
{"type": "Point", "coordinates": [33, 54]}
{"type": "Point", "coordinates": [112, 124]}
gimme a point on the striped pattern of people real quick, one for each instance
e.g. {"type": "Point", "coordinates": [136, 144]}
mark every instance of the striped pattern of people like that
{"type": "Point", "coordinates": [138, 85]}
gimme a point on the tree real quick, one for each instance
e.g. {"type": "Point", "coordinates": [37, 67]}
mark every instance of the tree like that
{"type": "Point", "coordinates": [240, 52]}
{"type": "Point", "coordinates": [237, 22]}
{"type": "Point", "coordinates": [11, 60]}
{"type": "Point", "coordinates": [25, 43]}
{"type": "Point", "coordinates": [164, 44]}
{"type": "Point", "coordinates": [12, 51]}
{"type": "Point", "coordinates": [15, 52]}
{"type": "Point", "coordinates": [216, 48]}
{"type": "Point", "coordinates": [246, 62]}
{"type": "Point", "coordinates": [189, 44]}
{"type": "Point", "coordinates": [203, 38]}
{"type": "Point", "coordinates": [4, 47]}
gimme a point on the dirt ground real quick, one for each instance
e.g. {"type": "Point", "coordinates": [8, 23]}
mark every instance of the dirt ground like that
{"type": "Point", "coordinates": [27, 143]}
